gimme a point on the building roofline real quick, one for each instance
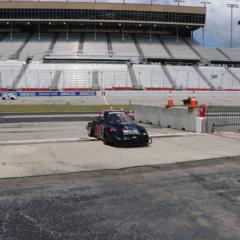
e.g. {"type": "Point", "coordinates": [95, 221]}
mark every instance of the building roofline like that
{"type": "Point", "coordinates": [103, 6]}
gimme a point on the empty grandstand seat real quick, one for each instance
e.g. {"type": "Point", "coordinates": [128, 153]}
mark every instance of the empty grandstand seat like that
{"type": "Point", "coordinates": [76, 75]}
{"type": "Point", "coordinates": [219, 77]}
{"type": "Point", "coordinates": [92, 46]}
{"type": "Point", "coordinates": [179, 50]}
{"type": "Point", "coordinates": [151, 76]}
{"type": "Point", "coordinates": [67, 43]}
{"type": "Point", "coordinates": [35, 48]}
{"type": "Point", "coordinates": [151, 48]}
{"type": "Point", "coordinates": [8, 72]}
{"type": "Point", "coordinates": [123, 47]}
{"type": "Point", "coordinates": [232, 53]}
{"type": "Point", "coordinates": [186, 77]}
{"type": "Point", "coordinates": [207, 53]}
{"type": "Point", "coordinates": [8, 46]}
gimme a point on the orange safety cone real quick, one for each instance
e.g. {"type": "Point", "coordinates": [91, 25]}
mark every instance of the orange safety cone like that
{"type": "Point", "coordinates": [194, 103]}
{"type": "Point", "coordinates": [170, 102]}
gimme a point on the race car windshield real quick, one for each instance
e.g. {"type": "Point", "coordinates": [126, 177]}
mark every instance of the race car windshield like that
{"type": "Point", "coordinates": [118, 118]}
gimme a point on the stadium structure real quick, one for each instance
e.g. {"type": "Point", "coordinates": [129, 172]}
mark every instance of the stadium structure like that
{"type": "Point", "coordinates": [63, 46]}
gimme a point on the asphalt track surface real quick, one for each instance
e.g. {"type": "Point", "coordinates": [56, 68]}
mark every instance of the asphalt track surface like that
{"type": "Point", "coordinates": [45, 117]}
{"type": "Point", "coordinates": [63, 130]}
{"type": "Point", "coordinates": [196, 200]}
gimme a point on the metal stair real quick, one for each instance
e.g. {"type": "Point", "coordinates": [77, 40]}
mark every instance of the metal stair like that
{"type": "Point", "coordinates": [165, 46]}
{"type": "Point", "coordinates": [55, 82]}
{"type": "Point", "coordinates": [19, 50]}
{"type": "Point", "coordinates": [203, 77]}
{"type": "Point", "coordinates": [109, 44]}
{"type": "Point", "coordinates": [81, 42]}
{"type": "Point", "coordinates": [233, 74]}
{"type": "Point", "coordinates": [53, 42]}
{"type": "Point", "coordinates": [192, 48]}
{"type": "Point", "coordinates": [19, 76]}
{"type": "Point", "coordinates": [169, 77]}
{"type": "Point", "coordinates": [137, 45]}
{"type": "Point", "coordinates": [224, 54]}
{"type": "Point", "coordinates": [133, 77]}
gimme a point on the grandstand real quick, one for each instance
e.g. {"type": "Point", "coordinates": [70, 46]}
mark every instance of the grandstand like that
{"type": "Point", "coordinates": [75, 45]}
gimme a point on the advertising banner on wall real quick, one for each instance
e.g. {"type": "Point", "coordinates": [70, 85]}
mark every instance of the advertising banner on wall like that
{"type": "Point", "coordinates": [53, 94]}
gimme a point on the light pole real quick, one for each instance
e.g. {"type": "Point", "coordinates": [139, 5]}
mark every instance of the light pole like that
{"type": "Point", "coordinates": [187, 78]}
{"type": "Point", "coordinates": [178, 3]}
{"type": "Point", "coordinates": [203, 36]}
{"type": "Point", "coordinates": [139, 74]}
{"type": "Point", "coordinates": [232, 6]}
{"type": "Point", "coordinates": [222, 81]}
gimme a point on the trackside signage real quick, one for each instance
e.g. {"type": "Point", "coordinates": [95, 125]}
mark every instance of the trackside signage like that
{"type": "Point", "coordinates": [54, 94]}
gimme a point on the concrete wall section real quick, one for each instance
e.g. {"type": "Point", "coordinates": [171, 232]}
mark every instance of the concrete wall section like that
{"type": "Point", "coordinates": [176, 117]}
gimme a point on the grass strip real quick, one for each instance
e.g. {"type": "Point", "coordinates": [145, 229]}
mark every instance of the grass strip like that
{"type": "Point", "coordinates": [4, 108]}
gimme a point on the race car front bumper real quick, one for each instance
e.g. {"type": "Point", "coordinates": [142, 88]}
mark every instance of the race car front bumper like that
{"type": "Point", "coordinates": [133, 140]}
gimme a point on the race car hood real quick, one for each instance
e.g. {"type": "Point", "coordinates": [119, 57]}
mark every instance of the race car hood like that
{"type": "Point", "coordinates": [131, 129]}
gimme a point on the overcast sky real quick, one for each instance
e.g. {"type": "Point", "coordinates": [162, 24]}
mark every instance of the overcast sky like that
{"type": "Point", "coordinates": [218, 19]}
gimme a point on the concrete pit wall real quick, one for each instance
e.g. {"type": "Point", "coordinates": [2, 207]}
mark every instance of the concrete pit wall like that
{"type": "Point", "coordinates": [176, 117]}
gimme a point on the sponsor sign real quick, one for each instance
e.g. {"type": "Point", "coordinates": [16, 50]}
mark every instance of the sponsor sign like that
{"type": "Point", "coordinates": [54, 94]}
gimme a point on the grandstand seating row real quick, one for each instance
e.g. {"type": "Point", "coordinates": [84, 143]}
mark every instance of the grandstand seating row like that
{"type": "Point", "coordinates": [18, 74]}
{"type": "Point", "coordinates": [23, 45]}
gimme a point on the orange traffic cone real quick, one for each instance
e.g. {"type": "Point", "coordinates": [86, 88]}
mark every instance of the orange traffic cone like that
{"type": "Point", "coordinates": [170, 102]}
{"type": "Point", "coordinates": [194, 103]}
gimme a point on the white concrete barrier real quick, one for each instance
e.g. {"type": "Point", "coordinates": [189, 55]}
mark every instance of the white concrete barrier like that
{"type": "Point", "coordinates": [180, 118]}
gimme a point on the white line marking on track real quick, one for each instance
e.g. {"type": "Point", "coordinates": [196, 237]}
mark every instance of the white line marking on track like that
{"type": "Point", "coordinates": [105, 100]}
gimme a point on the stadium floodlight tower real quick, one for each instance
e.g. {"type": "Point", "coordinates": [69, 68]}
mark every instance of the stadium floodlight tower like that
{"type": "Point", "coordinates": [231, 5]}
{"type": "Point", "coordinates": [205, 3]}
{"type": "Point", "coordinates": [178, 3]}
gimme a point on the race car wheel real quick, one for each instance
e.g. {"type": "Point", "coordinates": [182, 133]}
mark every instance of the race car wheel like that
{"type": "Point", "coordinates": [90, 130]}
{"type": "Point", "coordinates": [105, 140]}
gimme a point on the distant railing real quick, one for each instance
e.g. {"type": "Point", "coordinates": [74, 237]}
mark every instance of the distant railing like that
{"type": "Point", "coordinates": [49, 55]}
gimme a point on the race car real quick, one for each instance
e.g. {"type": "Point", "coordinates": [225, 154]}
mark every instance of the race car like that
{"type": "Point", "coordinates": [9, 96]}
{"type": "Point", "coordinates": [116, 128]}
